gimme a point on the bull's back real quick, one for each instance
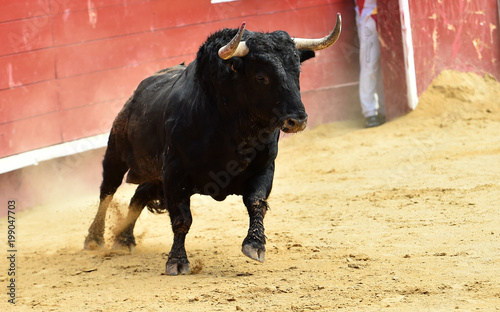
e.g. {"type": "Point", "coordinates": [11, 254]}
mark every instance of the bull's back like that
{"type": "Point", "coordinates": [138, 128]}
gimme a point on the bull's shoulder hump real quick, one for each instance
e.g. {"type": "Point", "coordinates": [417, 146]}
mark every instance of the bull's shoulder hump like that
{"type": "Point", "coordinates": [159, 80]}
{"type": "Point", "coordinates": [171, 70]}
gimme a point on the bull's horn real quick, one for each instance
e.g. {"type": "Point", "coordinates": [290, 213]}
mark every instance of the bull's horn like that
{"type": "Point", "coordinates": [235, 47]}
{"type": "Point", "coordinates": [322, 43]}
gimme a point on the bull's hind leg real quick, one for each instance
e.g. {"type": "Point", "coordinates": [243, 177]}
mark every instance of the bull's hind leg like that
{"type": "Point", "coordinates": [113, 171]}
{"type": "Point", "coordinates": [144, 194]}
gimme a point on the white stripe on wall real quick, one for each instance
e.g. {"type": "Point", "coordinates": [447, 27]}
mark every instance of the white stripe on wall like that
{"type": "Point", "coordinates": [31, 158]}
{"type": "Point", "coordinates": [411, 78]}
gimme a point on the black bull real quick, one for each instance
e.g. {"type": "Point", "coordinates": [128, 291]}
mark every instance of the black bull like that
{"type": "Point", "coordinates": [211, 128]}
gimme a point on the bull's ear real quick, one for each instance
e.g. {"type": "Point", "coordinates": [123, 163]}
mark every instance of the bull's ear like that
{"type": "Point", "coordinates": [306, 54]}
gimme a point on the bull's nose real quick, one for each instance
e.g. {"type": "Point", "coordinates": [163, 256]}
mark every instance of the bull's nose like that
{"type": "Point", "coordinates": [292, 125]}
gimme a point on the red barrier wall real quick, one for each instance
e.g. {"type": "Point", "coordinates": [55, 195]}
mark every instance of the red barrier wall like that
{"type": "Point", "coordinates": [67, 67]}
{"type": "Point", "coordinates": [449, 34]}
{"type": "Point", "coordinates": [454, 34]}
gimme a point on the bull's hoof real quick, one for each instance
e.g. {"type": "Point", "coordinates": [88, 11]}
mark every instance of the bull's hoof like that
{"type": "Point", "coordinates": [254, 252]}
{"type": "Point", "coordinates": [178, 266]}
{"type": "Point", "coordinates": [124, 244]}
{"type": "Point", "coordinates": [92, 243]}
{"type": "Point", "coordinates": [119, 246]}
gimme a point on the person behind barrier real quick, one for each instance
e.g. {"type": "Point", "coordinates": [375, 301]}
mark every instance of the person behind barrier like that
{"type": "Point", "coordinates": [371, 92]}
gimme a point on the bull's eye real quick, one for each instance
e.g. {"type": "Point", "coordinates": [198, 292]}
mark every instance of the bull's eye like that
{"type": "Point", "coordinates": [263, 79]}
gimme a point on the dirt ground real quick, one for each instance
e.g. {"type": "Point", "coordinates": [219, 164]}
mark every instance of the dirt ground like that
{"type": "Point", "coordinates": [403, 217]}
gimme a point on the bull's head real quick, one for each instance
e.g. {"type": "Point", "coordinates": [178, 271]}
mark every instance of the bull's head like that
{"type": "Point", "coordinates": [264, 72]}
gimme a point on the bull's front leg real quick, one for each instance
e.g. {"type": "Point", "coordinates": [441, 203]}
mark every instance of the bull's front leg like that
{"type": "Point", "coordinates": [254, 245]}
{"type": "Point", "coordinates": [180, 216]}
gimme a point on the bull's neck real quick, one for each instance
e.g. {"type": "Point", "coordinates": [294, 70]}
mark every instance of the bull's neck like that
{"type": "Point", "coordinates": [239, 122]}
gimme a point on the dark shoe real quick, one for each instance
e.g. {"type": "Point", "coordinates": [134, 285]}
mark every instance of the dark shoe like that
{"type": "Point", "coordinates": [372, 121]}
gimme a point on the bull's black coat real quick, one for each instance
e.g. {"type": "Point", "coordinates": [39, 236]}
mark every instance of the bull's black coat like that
{"type": "Point", "coordinates": [211, 128]}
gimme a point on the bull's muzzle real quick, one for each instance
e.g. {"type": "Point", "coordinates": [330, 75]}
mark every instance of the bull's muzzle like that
{"type": "Point", "coordinates": [293, 125]}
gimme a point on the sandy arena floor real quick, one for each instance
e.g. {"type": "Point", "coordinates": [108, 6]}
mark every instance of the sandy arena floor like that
{"type": "Point", "coordinates": [403, 217]}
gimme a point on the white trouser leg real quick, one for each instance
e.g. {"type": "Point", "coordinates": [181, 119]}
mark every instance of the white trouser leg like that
{"type": "Point", "coordinates": [370, 71]}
